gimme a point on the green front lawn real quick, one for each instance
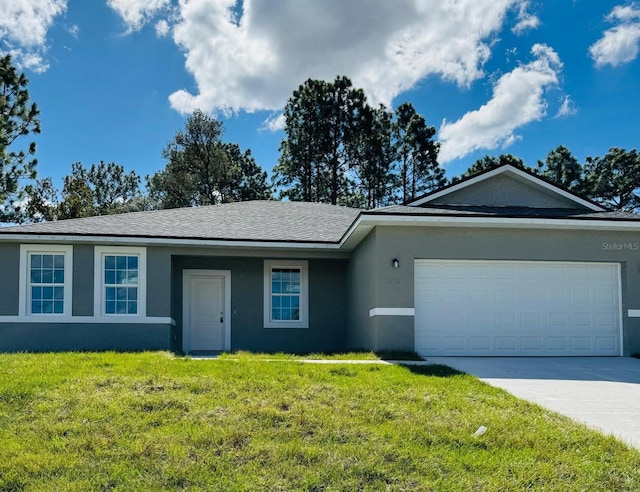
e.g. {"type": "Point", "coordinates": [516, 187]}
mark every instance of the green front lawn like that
{"type": "Point", "coordinates": [153, 421]}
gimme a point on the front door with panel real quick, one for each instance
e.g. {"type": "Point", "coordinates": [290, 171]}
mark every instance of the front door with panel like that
{"type": "Point", "coordinates": [205, 319]}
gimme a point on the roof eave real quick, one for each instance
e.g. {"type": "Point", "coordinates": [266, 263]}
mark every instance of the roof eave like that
{"type": "Point", "coordinates": [367, 221]}
{"type": "Point", "coordinates": [170, 241]}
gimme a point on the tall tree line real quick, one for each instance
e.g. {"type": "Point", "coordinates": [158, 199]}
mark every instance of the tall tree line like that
{"type": "Point", "coordinates": [340, 150]}
{"type": "Point", "coordinates": [612, 180]}
{"type": "Point", "coordinates": [337, 149]}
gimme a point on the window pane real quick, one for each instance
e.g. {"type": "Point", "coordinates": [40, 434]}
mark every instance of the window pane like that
{"type": "Point", "coordinates": [132, 277]}
{"type": "Point", "coordinates": [109, 262]}
{"type": "Point", "coordinates": [58, 261]}
{"type": "Point", "coordinates": [276, 314]}
{"type": "Point", "coordinates": [36, 307]}
{"type": "Point", "coordinates": [58, 293]}
{"type": "Point", "coordinates": [132, 307]}
{"type": "Point", "coordinates": [110, 293]}
{"type": "Point", "coordinates": [132, 262]}
{"type": "Point", "coordinates": [293, 288]}
{"type": "Point", "coordinates": [295, 314]}
{"type": "Point", "coordinates": [276, 287]}
{"type": "Point", "coordinates": [58, 276]}
{"type": "Point", "coordinates": [121, 293]}
{"type": "Point", "coordinates": [110, 307]}
{"type": "Point", "coordinates": [36, 261]}
{"type": "Point", "coordinates": [295, 301]}
{"type": "Point", "coordinates": [47, 293]}
{"type": "Point", "coordinates": [47, 307]}
{"type": "Point", "coordinates": [47, 261]}
{"type": "Point", "coordinates": [121, 271]}
{"type": "Point", "coordinates": [36, 293]}
{"type": "Point", "coordinates": [132, 295]}
{"type": "Point", "coordinates": [121, 262]}
{"type": "Point", "coordinates": [47, 276]}
{"type": "Point", "coordinates": [36, 276]}
{"type": "Point", "coordinates": [58, 307]}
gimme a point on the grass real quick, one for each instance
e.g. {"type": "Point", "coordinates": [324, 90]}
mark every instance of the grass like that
{"type": "Point", "coordinates": [357, 355]}
{"type": "Point", "coordinates": [152, 421]}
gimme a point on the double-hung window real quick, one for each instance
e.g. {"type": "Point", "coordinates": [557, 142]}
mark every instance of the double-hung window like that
{"type": "Point", "coordinates": [120, 281]}
{"type": "Point", "coordinates": [45, 285]}
{"type": "Point", "coordinates": [286, 303]}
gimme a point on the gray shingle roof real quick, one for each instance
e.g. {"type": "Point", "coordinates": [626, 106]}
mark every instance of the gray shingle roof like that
{"type": "Point", "coordinates": [240, 221]}
{"type": "Point", "coordinates": [273, 221]}
{"type": "Point", "coordinates": [513, 212]}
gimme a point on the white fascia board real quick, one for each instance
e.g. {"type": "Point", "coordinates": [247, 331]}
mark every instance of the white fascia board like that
{"type": "Point", "coordinates": [116, 320]}
{"type": "Point", "coordinates": [146, 241]}
{"type": "Point", "coordinates": [370, 221]}
{"type": "Point", "coordinates": [513, 170]}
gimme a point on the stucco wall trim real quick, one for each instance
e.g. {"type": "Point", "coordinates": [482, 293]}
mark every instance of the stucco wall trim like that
{"type": "Point", "coordinates": [128, 320]}
{"type": "Point", "coordinates": [391, 312]}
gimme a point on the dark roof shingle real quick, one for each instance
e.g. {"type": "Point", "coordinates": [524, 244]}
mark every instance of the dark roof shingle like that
{"type": "Point", "coordinates": [507, 212]}
{"type": "Point", "coordinates": [239, 221]}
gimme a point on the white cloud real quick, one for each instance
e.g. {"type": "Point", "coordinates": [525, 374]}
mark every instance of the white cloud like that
{"type": "Point", "coordinates": [620, 44]}
{"type": "Point", "coordinates": [162, 28]}
{"type": "Point", "coordinates": [74, 30]}
{"type": "Point", "coordinates": [275, 123]}
{"type": "Point", "coordinates": [526, 20]}
{"type": "Point", "coordinates": [567, 108]}
{"type": "Point", "coordinates": [624, 13]}
{"type": "Point", "coordinates": [136, 13]}
{"type": "Point", "coordinates": [23, 29]}
{"type": "Point", "coordinates": [518, 99]}
{"type": "Point", "coordinates": [249, 56]}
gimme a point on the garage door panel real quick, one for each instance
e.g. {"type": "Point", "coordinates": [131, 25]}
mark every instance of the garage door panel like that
{"type": "Point", "coordinates": [556, 344]}
{"type": "Point", "coordinates": [516, 308]}
{"type": "Point", "coordinates": [506, 343]}
{"type": "Point", "coordinates": [480, 343]}
{"type": "Point", "coordinates": [605, 343]}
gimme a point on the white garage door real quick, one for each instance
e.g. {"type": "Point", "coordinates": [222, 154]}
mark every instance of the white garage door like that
{"type": "Point", "coordinates": [507, 308]}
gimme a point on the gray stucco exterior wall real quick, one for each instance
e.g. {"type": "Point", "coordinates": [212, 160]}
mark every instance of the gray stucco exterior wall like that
{"type": "Point", "coordinates": [501, 190]}
{"type": "Point", "coordinates": [395, 289]}
{"type": "Point", "coordinates": [82, 280]}
{"type": "Point", "coordinates": [54, 337]}
{"type": "Point", "coordinates": [327, 305]}
{"type": "Point", "coordinates": [361, 295]}
{"type": "Point", "coordinates": [9, 278]}
{"type": "Point", "coordinates": [158, 282]}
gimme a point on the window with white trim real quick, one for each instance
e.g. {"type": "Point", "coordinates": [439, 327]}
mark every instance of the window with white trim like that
{"type": "Point", "coordinates": [286, 293]}
{"type": "Point", "coordinates": [120, 281]}
{"type": "Point", "coordinates": [45, 280]}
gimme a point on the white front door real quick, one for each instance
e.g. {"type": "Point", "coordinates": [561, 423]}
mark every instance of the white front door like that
{"type": "Point", "coordinates": [205, 307]}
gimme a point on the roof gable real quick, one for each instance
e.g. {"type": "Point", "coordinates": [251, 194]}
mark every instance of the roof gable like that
{"type": "Point", "coordinates": [506, 186]}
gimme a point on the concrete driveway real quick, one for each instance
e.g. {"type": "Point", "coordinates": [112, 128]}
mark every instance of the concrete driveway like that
{"type": "Point", "coordinates": [601, 392]}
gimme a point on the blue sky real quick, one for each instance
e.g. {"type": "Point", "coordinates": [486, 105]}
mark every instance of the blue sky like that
{"type": "Point", "coordinates": [115, 79]}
